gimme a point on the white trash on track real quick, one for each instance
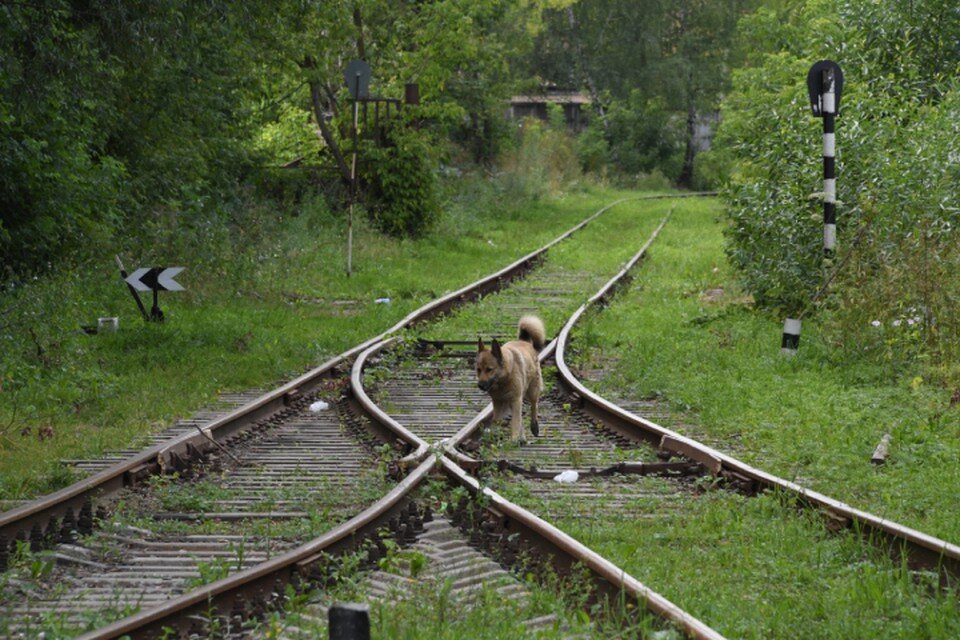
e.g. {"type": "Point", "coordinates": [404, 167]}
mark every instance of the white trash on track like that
{"type": "Point", "coordinates": [567, 476]}
{"type": "Point", "coordinates": [319, 406]}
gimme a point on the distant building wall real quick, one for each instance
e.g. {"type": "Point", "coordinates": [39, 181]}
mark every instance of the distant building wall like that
{"type": "Point", "coordinates": [535, 106]}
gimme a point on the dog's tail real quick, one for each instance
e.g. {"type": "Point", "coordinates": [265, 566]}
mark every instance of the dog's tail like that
{"type": "Point", "coordinates": [532, 331]}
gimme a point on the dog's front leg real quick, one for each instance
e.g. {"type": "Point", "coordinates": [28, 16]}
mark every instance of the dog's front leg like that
{"type": "Point", "coordinates": [516, 427]}
{"type": "Point", "coordinates": [496, 415]}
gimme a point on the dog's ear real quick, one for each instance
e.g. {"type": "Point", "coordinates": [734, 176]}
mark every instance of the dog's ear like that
{"type": "Point", "coordinates": [497, 353]}
{"type": "Point", "coordinates": [479, 344]}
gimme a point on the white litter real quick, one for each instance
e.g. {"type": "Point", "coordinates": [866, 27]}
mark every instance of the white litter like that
{"type": "Point", "coordinates": [567, 476]}
{"type": "Point", "coordinates": [319, 406]}
{"type": "Point", "coordinates": [382, 301]}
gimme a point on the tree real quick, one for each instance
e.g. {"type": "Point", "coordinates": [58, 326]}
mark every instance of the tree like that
{"type": "Point", "coordinates": [678, 52]}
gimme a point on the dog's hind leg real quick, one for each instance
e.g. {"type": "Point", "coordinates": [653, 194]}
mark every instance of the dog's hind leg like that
{"type": "Point", "coordinates": [533, 397]}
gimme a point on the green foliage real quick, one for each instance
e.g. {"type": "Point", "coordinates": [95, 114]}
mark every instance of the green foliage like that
{"type": "Point", "coordinates": [714, 367]}
{"type": "Point", "coordinates": [403, 184]}
{"type": "Point", "coordinates": [651, 64]}
{"type": "Point", "coordinates": [642, 136]}
{"type": "Point", "coordinates": [121, 119]}
{"type": "Point", "coordinates": [543, 163]}
{"type": "Point", "coordinates": [592, 149]}
{"type": "Point", "coordinates": [897, 171]}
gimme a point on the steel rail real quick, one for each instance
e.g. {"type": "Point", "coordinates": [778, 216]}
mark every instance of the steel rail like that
{"type": "Point", "coordinates": [564, 550]}
{"type": "Point", "coordinates": [252, 585]}
{"type": "Point", "coordinates": [29, 519]}
{"type": "Point", "coordinates": [517, 519]}
{"type": "Point", "coordinates": [922, 550]}
{"type": "Point", "coordinates": [620, 278]}
{"type": "Point", "coordinates": [387, 425]}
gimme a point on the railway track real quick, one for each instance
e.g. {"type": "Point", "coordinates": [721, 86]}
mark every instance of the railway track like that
{"type": "Point", "coordinates": [215, 451]}
{"type": "Point", "coordinates": [620, 455]}
{"type": "Point", "coordinates": [429, 418]}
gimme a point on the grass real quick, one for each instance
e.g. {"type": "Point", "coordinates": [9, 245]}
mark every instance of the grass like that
{"type": "Point", "coordinates": [65, 394]}
{"type": "Point", "coordinates": [430, 606]}
{"type": "Point", "coordinates": [763, 570]}
{"type": "Point", "coordinates": [815, 417]}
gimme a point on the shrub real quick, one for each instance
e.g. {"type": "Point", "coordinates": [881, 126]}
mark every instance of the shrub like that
{"type": "Point", "coordinates": [402, 194]}
{"type": "Point", "coordinates": [543, 163]}
{"type": "Point", "coordinates": [897, 171]}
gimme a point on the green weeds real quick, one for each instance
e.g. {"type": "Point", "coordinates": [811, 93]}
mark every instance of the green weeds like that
{"type": "Point", "coordinates": [66, 394]}
{"type": "Point", "coordinates": [754, 567]}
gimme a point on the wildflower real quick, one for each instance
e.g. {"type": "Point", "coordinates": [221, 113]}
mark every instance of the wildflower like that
{"type": "Point", "coordinates": [875, 323]}
{"type": "Point", "coordinates": [911, 321]}
{"type": "Point", "coordinates": [896, 323]}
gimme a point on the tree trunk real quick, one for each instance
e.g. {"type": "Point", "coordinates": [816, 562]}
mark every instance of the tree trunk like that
{"type": "Point", "coordinates": [358, 23]}
{"type": "Point", "coordinates": [325, 130]}
{"type": "Point", "coordinates": [582, 66]}
{"type": "Point", "coordinates": [325, 133]}
{"type": "Point", "coordinates": [686, 174]}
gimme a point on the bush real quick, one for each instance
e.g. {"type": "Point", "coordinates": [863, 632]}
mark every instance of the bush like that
{"type": "Point", "coordinates": [897, 173]}
{"type": "Point", "coordinates": [592, 148]}
{"type": "Point", "coordinates": [543, 163]}
{"type": "Point", "coordinates": [402, 193]}
{"type": "Point", "coordinates": [642, 136]}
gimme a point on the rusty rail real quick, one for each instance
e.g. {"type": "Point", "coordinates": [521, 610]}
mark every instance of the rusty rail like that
{"type": "Point", "coordinates": [921, 550]}
{"type": "Point", "coordinates": [32, 519]}
{"type": "Point", "coordinates": [564, 550]}
{"type": "Point", "coordinates": [241, 591]}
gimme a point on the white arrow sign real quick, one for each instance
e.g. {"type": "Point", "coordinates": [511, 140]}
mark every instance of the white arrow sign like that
{"type": "Point", "coordinates": [155, 279]}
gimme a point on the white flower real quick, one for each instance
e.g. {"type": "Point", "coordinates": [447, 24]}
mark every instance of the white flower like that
{"type": "Point", "coordinates": [911, 321]}
{"type": "Point", "coordinates": [875, 323]}
{"type": "Point", "coordinates": [896, 323]}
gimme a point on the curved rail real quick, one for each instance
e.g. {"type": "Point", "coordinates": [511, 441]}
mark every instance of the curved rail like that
{"type": "Point", "coordinates": [922, 550]}
{"type": "Point", "coordinates": [31, 519]}
{"type": "Point", "coordinates": [250, 588]}
{"type": "Point", "coordinates": [247, 590]}
{"type": "Point", "coordinates": [564, 549]}
{"type": "Point", "coordinates": [518, 519]}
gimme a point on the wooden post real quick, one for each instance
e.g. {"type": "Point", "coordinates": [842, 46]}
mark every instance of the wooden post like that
{"type": "Point", "coordinates": [349, 621]}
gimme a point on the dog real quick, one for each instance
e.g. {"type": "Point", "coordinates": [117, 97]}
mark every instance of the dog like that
{"type": "Point", "coordinates": [511, 373]}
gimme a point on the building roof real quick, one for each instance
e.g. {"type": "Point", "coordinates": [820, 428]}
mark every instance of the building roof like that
{"type": "Point", "coordinates": [555, 97]}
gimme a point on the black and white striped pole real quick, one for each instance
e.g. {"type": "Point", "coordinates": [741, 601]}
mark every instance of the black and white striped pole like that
{"type": "Point", "coordinates": [791, 337]}
{"type": "Point", "coordinates": [825, 84]}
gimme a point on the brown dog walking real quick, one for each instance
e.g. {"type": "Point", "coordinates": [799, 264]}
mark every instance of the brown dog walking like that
{"type": "Point", "coordinates": [511, 374]}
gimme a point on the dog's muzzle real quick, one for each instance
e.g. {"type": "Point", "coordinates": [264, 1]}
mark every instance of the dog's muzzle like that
{"type": "Point", "coordinates": [485, 385]}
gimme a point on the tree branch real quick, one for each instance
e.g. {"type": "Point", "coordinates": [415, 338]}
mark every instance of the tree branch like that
{"type": "Point", "coordinates": [317, 104]}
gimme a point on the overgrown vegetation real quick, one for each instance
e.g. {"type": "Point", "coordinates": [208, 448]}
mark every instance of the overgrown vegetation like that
{"type": "Point", "coordinates": [280, 304]}
{"type": "Point", "coordinates": [897, 174]}
{"type": "Point", "coordinates": [119, 120]}
{"type": "Point", "coordinates": [685, 334]}
{"type": "Point", "coordinates": [654, 71]}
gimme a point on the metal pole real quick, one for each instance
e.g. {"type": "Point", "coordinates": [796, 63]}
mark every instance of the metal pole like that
{"type": "Point", "coordinates": [133, 292]}
{"type": "Point", "coordinates": [353, 178]}
{"type": "Point", "coordinates": [829, 111]}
